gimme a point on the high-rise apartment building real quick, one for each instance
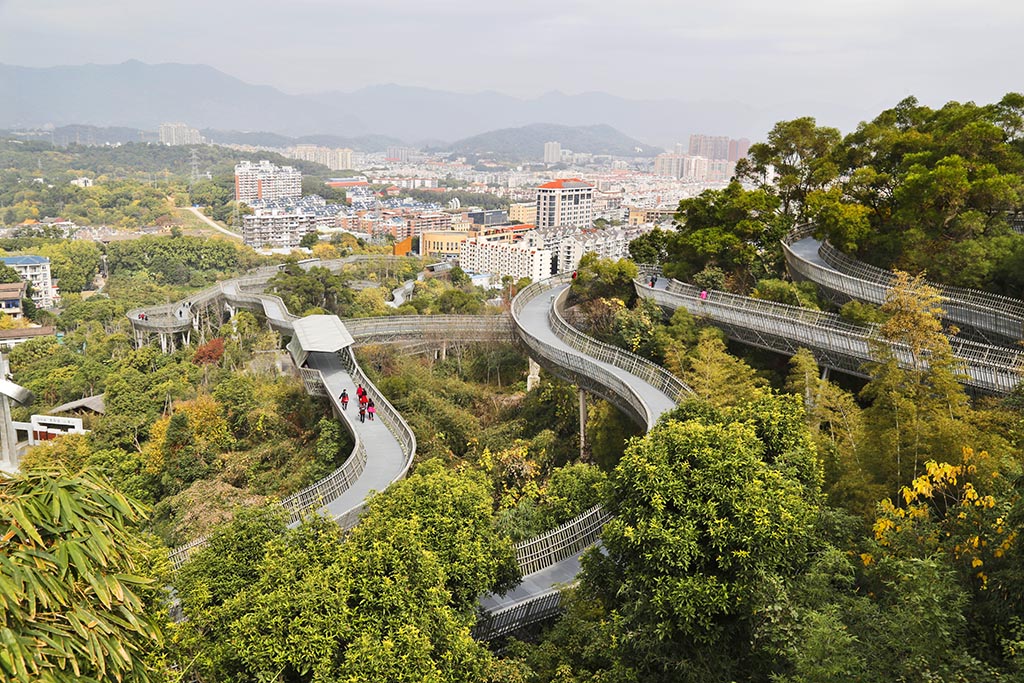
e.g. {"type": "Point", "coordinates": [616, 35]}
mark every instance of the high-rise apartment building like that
{"type": "Point", "coordinates": [568, 202]}
{"type": "Point", "coordinates": [709, 146]}
{"type": "Point", "coordinates": [738, 149]}
{"type": "Point", "coordinates": [552, 152]}
{"type": "Point", "coordinates": [179, 134]}
{"type": "Point", "coordinates": [399, 154]}
{"type": "Point", "coordinates": [339, 159]}
{"type": "Point", "coordinates": [266, 182]}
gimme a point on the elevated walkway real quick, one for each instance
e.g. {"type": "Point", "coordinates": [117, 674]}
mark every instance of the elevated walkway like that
{"type": "Point", "coordinates": [996, 318]}
{"type": "Point", "coordinates": [642, 389]}
{"type": "Point", "coordinates": [835, 343]}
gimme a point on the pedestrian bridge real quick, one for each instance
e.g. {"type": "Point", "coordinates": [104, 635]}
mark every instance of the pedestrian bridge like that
{"type": "Point", "coordinates": [835, 343]}
{"type": "Point", "coordinates": [996, 318]}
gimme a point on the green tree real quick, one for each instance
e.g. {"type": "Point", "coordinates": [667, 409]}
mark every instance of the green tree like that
{"type": "Point", "coordinates": [713, 516]}
{"type": "Point", "coordinates": [734, 230]}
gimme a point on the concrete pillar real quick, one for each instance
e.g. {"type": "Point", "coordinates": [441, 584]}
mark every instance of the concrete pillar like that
{"type": "Point", "coordinates": [583, 422]}
{"type": "Point", "coordinates": [824, 373]}
{"type": "Point", "coordinates": [8, 437]}
{"type": "Point", "coordinates": [444, 350]}
{"type": "Point", "coordinates": [533, 379]}
{"type": "Point", "coordinates": [9, 447]}
{"type": "Point", "coordinates": [163, 342]}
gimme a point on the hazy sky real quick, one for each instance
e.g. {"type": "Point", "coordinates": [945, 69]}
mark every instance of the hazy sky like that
{"type": "Point", "coordinates": [862, 53]}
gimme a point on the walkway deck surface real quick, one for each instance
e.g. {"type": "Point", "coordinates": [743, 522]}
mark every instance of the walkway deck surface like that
{"type": "Point", "coordinates": [534, 319]}
{"type": "Point", "coordinates": [384, 457]}
{"type": "Point", "coordinates": [807, 249]}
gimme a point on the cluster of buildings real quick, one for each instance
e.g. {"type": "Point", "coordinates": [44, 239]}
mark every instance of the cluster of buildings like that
{"type": "Point", "coordinates": [708, 158]}
{"type": "Point", "coordinates": [179, 134]}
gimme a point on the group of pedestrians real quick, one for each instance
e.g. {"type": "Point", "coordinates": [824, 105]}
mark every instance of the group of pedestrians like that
{"type": "Point", "coordinates": [366, 404]}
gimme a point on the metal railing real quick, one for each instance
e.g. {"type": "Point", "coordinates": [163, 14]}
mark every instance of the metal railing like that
{"type": "Point", "coordinates": [652, 373]}
{"type": "Point", "coordinates": [164, 318]}
{"type": "Point", "coordinates": [784, 328]}
{"type": "Point", "coordinates": [561, 543]}
{"type": "Point", "coordinates": [579, 368]}
{"type": "Point", "coordinates": [442, 327]}
{"type": "Point", "coordinates": [841, 273]}
{"type": "Point", "coordinates": [496, 624]}
{"type": "Point", "coordinates": [330, 488]}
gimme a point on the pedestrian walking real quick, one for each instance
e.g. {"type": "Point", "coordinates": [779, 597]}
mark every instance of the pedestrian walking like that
{"type": "Point", "coordinates": [363, 400]}
{"type": "Point", "coordinates": [703, 295]}
{"type": "Point", "coordinates": [362, 413]}
{"type": "Point", "coordinates": [344, 399]}
{"type": "Point", "coordinates": [371, 409]}
{"type": "Point", "coordinates": [654, 280]}
{"type": "Point", "coordinates": [360, 392]}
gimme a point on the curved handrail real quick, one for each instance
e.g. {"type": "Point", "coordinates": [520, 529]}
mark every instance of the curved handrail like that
{"type": "Point", "coordinates": [782, 327]}
{"type": "Point", "coordinates": [842, 273]}
{"type": "Point", "coordinates": [652, 373]}
{"type": "Point", "coordinates": [562, 542]}
{"type": "Point", "coordinates": [577, 365]}
{"type": "Point", "coordinates": [170, 317]}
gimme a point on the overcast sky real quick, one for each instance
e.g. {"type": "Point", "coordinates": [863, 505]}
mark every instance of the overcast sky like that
{"type": "Point", "coordinates": [862, 54]}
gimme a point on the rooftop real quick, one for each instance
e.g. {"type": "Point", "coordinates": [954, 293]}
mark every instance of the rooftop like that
{"type": "Point", "coordinates": [565, 184]}
{"type": "Point", "coordinates": [24, 260]}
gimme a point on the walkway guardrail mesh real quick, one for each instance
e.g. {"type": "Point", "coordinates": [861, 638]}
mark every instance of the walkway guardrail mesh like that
{"type": "Point", "coordinates": [390, 417]}
{"type": "Point", "coordinates": [784, 328]}
{"type": "Point", "coordinates": [839, 272]}
{"type": "Point", "coordinates": [444, 327]}
{"type": "Point", "coordinates": [562, 542]}
{"type": "Point", "coordinates": [652, 373]}
{"type": "Point", "coordinates": [497, 624]}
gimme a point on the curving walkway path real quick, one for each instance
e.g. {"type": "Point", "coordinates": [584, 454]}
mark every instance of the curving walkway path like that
{"type": "Point", "coordinates": [835, 343]}
{"type": "Point", "coordinates": [995, 317]}
{"type": "Point", "coordinates": [644, 390]}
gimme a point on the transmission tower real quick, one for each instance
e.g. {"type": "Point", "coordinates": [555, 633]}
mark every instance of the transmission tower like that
{"type": "Point", "coordinates": [195, 167]}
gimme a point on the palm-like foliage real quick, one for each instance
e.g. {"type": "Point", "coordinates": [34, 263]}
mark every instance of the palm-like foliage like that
{"type": "Point", "coordinates": [71, 604]}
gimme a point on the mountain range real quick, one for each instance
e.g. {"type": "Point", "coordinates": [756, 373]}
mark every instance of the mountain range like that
{"type": "Point", "coordinates": [137, 95]}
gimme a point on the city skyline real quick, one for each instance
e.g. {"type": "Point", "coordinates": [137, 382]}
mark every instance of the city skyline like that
{"type": "Point", "coordinates": [837, 63]}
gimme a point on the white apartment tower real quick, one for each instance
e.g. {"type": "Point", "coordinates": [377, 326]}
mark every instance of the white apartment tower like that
{"type": "Point", "coordinates": [567, 202]}
{"type": "Point", "coordinates": [265, 182]}
{"type": "Point", "coordinates": [552, 152]}
{"type": "Point", "coordinates": [179, 134]}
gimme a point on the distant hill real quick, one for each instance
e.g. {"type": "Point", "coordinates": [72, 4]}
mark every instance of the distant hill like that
{"type": "Point", "coordinates": [363, 143]}
{"type": "Point", "coordinates": [137, 95]}
{"type": "Point", "coordinates": [526, 143]}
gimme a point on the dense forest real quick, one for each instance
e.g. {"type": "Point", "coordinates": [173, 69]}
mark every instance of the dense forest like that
{"type": "Point", "coordinates": [777, 525]}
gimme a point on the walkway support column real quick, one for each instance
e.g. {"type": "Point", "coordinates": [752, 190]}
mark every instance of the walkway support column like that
{"type": "Point", "coordinates": [583, 422]}
{"type": "Point", "coordinates": [533, 379]}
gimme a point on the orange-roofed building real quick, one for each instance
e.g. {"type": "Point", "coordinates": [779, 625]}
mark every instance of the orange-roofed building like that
{"type": "Point", "coordinates": [565, 202]}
